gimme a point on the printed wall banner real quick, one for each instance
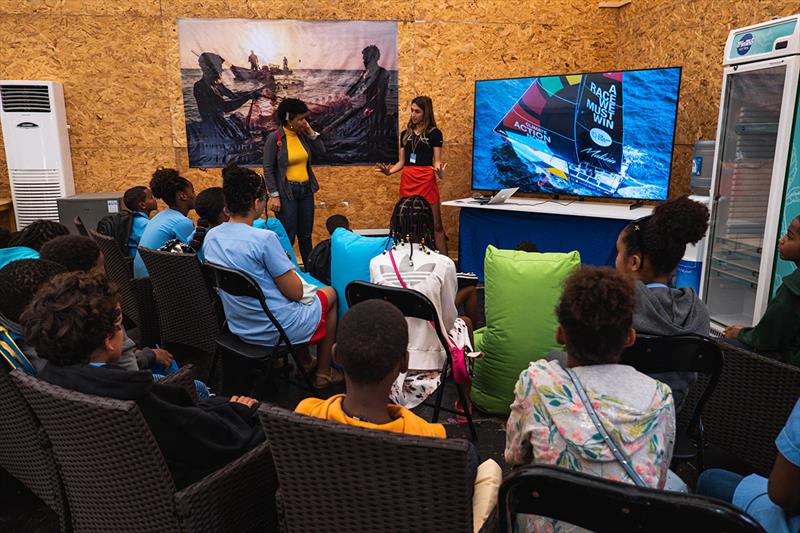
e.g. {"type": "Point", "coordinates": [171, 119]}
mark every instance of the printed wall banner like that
{"type": "Point", "coordinates": [235, 73]}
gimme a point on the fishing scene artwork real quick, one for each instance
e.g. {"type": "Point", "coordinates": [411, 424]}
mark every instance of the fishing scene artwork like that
{"type": "Point", "coordinates": [235, 73]}
{"type": "Point", "coordinates": [605, 134]}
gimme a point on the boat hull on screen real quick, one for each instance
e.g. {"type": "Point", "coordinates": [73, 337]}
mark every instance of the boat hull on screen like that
{"type": "Point", "coordinates": [604, 134]}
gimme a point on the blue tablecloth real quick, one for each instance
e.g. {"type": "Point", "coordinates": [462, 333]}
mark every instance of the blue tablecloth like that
{"type": "Point", "coordinates": [594, 238]}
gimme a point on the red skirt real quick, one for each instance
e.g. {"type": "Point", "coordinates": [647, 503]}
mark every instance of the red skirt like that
{"type": "Point", "coordinates": [419, 181]}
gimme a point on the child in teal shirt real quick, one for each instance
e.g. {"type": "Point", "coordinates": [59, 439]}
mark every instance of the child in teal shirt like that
{"type": "Point", "coordinates": [140, 202]}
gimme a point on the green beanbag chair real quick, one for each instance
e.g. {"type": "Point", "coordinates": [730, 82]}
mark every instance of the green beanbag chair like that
{"type": "Point", "coordinates": [522, 291]}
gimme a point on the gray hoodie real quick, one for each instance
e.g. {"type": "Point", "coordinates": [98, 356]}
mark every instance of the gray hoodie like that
{"type": "Point", "coordinates": [668, 311]}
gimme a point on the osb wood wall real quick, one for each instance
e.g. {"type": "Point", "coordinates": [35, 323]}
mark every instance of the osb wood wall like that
{"type": "Point", "coordinates": [119, 65]}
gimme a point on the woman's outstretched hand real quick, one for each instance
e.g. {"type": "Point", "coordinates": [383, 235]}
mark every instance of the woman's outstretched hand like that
{"type": "Point", "coordinates": [440, 171]}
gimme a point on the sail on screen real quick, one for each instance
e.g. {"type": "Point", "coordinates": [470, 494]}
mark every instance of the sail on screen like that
{"type": "Point", "coordinates": [597, 134]}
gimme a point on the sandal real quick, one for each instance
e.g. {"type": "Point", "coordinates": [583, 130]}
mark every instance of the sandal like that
{"type": "Point", "coordinates": [333, 377]}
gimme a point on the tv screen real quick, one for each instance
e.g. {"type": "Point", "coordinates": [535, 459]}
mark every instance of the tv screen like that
{"type": "Point", "coordinates": [606, 134]}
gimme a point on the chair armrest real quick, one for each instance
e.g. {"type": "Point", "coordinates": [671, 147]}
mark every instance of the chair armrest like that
{"type": "Point", "coordinates": [238, 497]}
{"type": "Point", "coordinates": [183, 377]}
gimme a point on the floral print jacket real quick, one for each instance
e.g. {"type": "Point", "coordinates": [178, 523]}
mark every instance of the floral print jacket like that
{"type": "Point", "coordinates": [549, 424]}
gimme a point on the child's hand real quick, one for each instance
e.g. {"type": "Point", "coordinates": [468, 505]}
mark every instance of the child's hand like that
{"type": "Point", "coordinates": [732, 332]}
{"type": "Point", "coordinates": [244, 400]}
{"type": "Point", "coordinates": [163, 357]}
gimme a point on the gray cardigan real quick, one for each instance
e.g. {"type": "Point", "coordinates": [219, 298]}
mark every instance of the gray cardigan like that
{"type": "Point", "coordinates": [276, 162]}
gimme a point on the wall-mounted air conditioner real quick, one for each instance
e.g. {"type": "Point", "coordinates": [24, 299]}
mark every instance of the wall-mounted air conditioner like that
{"type": "Point", "coordinates": [34, 124]}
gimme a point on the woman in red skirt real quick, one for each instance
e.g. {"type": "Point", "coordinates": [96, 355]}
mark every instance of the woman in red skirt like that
{"type": "Point", "coordinates": [421, 162]}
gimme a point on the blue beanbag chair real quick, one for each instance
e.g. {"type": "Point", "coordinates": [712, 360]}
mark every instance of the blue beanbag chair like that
{"type": "Point", "coordinates": [350, 257]}
{"type": "Point", "coordinates": [273, 224]}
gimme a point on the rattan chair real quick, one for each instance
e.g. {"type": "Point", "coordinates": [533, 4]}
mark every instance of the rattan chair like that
{"type": "Point", "coordinates": [25, 450]}
{"type": "Point", "coordinates": [240, 284]}
{"type": "Point", "coordinates": [116, 478]}
{"type": "Point", "coordinates": [749, 407]}
{"type": "Point", "coordinates": [336, 477]}
{"type": "Point", "coordinates": [80, 226]}
{"type": "Point", "coordinates": [186, 307]}
{"type": "Point", "coordinates": [414, 304]}
{"type": "Point", "coordinates": [602, 505]}
{"type": "Point", "coordinates": [683, 353]}
{"type": "Point", "coordinates": [136, 294]}
{"type": "Point", "coordinates": [183, 378]}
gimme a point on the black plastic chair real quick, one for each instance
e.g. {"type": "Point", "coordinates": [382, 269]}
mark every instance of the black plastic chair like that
{"type": "Point", "coordinates": [683, 353]}
{"type": "Point", "coordinates": [602, 505]}
{"type": "Point", "coordinates": [414, 304]}
{"type": "Point", "coordinates": [80, 227]}
{"type": "Point", "coordinates": [237, 283]}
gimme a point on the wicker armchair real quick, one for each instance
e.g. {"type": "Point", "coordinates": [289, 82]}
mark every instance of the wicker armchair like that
{"type": "Point", "coordinates": [136, 295]}
{"type": "Point", "coordinates": [116, 478]}
{"type": "Point", "coordinates": [184, 378]}
{"type": "Point", "coordinates": [335, 477]}
{"type": "Point", "coordinates": [25, 450]}
{"type": "Point", "coordinates": [749, 407]}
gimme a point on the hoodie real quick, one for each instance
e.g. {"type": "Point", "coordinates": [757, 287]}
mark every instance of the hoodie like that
{"type": "Point", "coordinates": [195, 440]}
{"type": "Point", "coordinates": [666, 311]}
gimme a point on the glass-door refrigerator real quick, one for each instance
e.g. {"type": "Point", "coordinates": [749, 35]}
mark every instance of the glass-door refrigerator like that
{"type": "Point", "coordinates": [755, 182]}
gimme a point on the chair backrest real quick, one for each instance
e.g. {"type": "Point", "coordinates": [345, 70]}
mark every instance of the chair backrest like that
{"type": "Point", "coordinates": [602, 505]}
{"type": "Point", "coordinates": [411, 303]}
{"type": "Point", "coordinates": [335, 477]}
{"type": "Point", "coordinates": [120, 271]}
{"type": "Point", "coordinates": [652, 354]}
{"type": "Point", "coordinates": [80, 226]}
{"type": "Point", "coordinates": [238, 283]}
{"type": "Point", "coordinates": [114, 474]}
{"type": "Point", "coordinates": [186, 309]}
{"type": "Point", "coordinates": [750, 406]}
{"type": "Point", "coordinates": [25, 451]}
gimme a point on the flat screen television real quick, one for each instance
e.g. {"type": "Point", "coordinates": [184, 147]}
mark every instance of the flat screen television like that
{"type": "Point", "coordinates": [597, 134]}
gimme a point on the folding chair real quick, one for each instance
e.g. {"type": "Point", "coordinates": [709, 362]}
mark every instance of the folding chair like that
{"type": "Point", "coordinates": [414, 304]}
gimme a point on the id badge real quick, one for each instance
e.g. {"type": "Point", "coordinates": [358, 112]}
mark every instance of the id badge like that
{"type": "Point", "coordinates": [412, 158]}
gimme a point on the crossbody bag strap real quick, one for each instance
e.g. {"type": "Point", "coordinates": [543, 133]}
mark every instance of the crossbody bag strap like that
{"type": "Point", "coordinates": [620, 455]}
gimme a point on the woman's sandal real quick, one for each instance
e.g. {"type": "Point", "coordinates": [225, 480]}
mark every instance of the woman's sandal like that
{"type": "Point", "coordinates": [333, 377]}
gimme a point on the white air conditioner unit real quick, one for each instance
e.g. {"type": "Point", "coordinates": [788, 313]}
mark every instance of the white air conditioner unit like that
{"type": "Point", "coordinates": [34, 124]}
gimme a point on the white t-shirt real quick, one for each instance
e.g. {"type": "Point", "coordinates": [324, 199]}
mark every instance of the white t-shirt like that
{"type": "Point", "coordinates": [434, 275]}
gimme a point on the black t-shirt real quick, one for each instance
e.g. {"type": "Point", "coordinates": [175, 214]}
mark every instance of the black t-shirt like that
{"type": "Point", "coordinates": [422, 146]}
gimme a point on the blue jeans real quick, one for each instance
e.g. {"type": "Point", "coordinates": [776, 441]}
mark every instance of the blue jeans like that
{"type": "Point", "coordinates": [719, 484]}
{"type": "Point", "coordinates": [297, 217]}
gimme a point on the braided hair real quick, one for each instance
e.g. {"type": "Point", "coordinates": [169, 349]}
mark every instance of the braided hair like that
{"type": "Point", "coordinates": [412, 222]}
{"type": "Point", "coordinates": [37, 233]}
{"type": "Point", "coordinates": [662, 237]}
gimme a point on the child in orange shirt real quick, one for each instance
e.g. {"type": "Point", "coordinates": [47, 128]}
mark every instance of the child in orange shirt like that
{"type": "Point", "coordinates": [372, 348]}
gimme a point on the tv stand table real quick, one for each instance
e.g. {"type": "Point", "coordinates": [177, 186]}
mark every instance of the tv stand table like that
{"type": "Point", "coordinates": [591, 228]}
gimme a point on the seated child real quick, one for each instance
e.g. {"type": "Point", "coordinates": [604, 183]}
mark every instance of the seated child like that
{"type": "Point", "coordinates": [171, 223]}
{"type": "Point", "coordinates": [319, 260]}
{"type": "Point", "coordinates": [237, 244]}
{"type": "Point", "coordinates": [75, 322]}
{"type": "Point", "coordinates": [649, 251]}
{"type": "Point", "coordinates": [140, 202]}
{"type": "Point", "coordinates": [25, 244]}
{"type": "Point", "coordinates": [371, 347]}
{"type": "Point", "coordinates": [773, 502]}
{"type": "Point", "coordinates": [211, 210]}
{"type": "Point", "coordinates": [549, 424]}
{"type": "Point", "coordinates": [777, 334]}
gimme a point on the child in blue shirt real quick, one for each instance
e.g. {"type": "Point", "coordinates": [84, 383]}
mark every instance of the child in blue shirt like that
{"type": "Point", "coordinates": [172, 223]}
{"type": "Point", "coordinates": [237, 244]}
{"type": "Point", "coordinates": [140, 202]}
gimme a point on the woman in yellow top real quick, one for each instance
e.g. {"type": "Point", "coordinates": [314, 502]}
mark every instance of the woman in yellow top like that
{"type": "Point", "coordinates": [291, 183]}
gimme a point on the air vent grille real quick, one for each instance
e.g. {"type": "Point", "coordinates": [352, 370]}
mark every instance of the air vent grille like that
{"type": "Point", "coordinates": [35, 193]}
{"type": "Point", "coordinates": [25, 98]}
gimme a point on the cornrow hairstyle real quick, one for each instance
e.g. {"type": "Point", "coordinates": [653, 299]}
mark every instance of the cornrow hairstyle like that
{"type": "Point", "coordinates": [37, 233]}
{"type": "Point", "coordinates": [19, 281]}
{"type": "Point", "coordinates": [167, 183]}
{"type": "Point", "coordinates": [241, 187]}
{"type": "Point", "coordinates": [75, 252]}
{"type": "Point", "coordinates": [595, 313]}
{"type": "Point", "coordinates": [70, 317]}
{"type": "Point", "coordinates": [412, 221]}
{"type": "Point", "coordinates": [133, 197]}
{"type": "Point", "coordinates": [290, 108]}
{"type": "Point", "coordinates": [662, 237]}
{"type": "Point", "coordinates": [372, 340]}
